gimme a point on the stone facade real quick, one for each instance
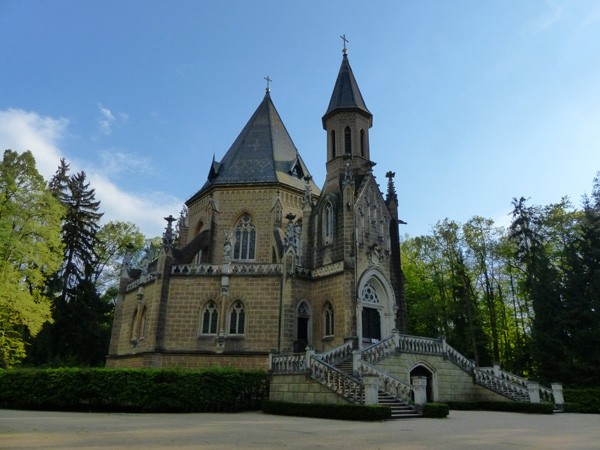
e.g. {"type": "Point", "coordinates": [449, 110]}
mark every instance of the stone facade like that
{"type": "Point", "coordinates": [264, 261]}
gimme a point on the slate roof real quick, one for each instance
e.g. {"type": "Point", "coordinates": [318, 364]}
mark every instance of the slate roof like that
{"type": "Point", "coordinates": [262, 153]}
{"type": "Point", "coordinates": [346, 95]}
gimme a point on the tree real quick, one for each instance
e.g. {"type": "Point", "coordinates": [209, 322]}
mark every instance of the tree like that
{"type": "Point", "coordinates": [76, 336]}
{"type": "Point", "coordinates": [30, 251]}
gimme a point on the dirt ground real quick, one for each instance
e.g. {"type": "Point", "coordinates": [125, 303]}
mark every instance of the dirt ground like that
{"type": "Point", "coordinates": [254, 430]}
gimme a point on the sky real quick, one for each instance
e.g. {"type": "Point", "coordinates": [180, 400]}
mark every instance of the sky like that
{"type": "Point", "coordinates": [473, 102]}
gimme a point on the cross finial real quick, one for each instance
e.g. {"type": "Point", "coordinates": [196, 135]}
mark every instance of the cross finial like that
{"type": "Point", "coordinates": [343, 38]}
{"type": "Point", "coordinates": [268, 84]}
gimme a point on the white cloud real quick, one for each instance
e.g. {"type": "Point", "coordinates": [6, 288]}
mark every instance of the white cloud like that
{"type": "Point", "coordinates": [108, 121]}
{"type": "Point", "coordinates": [117, 162]}
{"type": "Point", "coordinates": [24, 130]}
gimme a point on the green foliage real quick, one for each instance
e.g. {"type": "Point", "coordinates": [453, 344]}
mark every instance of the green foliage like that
{"type": "Point", "coordinates": [132, 390]}
{"type": "Point", "coordinates": [436, 410]}
{"type": "Point", "coordinates": [527, 297]}
{"type": "Point", "coordinates": [583, 400]}
{"type": "Point", "coordinates": [30, 251]}
{"type": "Point", "coordinates": [522, 407]}
{"type": "Point", "coordinates": [327, 411]}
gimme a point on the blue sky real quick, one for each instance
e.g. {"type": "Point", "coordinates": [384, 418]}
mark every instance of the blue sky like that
{"type": "Point", "coordinates": [474, 102]}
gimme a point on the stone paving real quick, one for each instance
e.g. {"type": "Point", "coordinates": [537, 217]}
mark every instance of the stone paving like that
{"type": "Point", "coordinates": [254, 430]}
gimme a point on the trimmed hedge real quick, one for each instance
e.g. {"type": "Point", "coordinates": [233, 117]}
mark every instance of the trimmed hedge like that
{"type": "Point", "coordinates": [328, 411]}
{"type": "Point", "coordinates": [584, 400]}
{"type": "Point", "coordinates": [132, 390]}
{"type": "Point", "coordinates": [522, 407]}
{"type": "Point", "coordinates": [436, 410]}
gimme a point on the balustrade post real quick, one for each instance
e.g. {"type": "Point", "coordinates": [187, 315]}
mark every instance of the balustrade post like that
{"type": "Point", "coordinates": [496, 369]}
{"type": "Point", "coordinates": [355, 361]}
{"type": "Point", "coordinates": [533, 387]}
{"type": "Point", "coordinates": [420, 390]}
{"type": "Point", "coordinates": [271, 361]}
{"type": "Point", "coordinates": [309, 354]}
{"type": "Point", "coordinates": [396, 338]}
{"type": "Point", "coordinates": [444, 346]}
{"type": "Point", "coordinates": [557, 391]}
{"type": "Point", "coordinates": [371, 382]}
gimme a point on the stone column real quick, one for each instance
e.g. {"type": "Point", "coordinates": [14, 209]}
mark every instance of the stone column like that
{"type": "Point", "coordinates": [309, 354]}
{"type": "Point", "coordinates": [420, 389]}
{"type": "Point", "coordinates": [371, 388]}
{"type": "Point", "coordinates": [557, 391]}
{"type": "Point", "coordinates": [396, 337]}
{"type": "Point", "coordinates": [355, 361]}
{"type": "Point", "coordinates": [534, 391]}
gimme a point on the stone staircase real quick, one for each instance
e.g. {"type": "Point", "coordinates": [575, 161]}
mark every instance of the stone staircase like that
{"type": "Point", "coordinates": [400, 410]}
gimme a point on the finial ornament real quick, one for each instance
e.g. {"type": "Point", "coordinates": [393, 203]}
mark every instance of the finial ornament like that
{"type": "Point", "coordinates": [343, 38]}
{"type": "Point", "coordinates": [268, 84]}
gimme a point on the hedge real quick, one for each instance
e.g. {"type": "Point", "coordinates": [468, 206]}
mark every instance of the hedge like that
{"type": "Point", "coordinates": [436, 410]}
{"type": "Point", "coordinates": [583, 400]}
{"type": "Point", "coordinates": [132, 390]}
{"type": "Point", "coordinates": [328, 411]}
{"type": "Point", "coordinates": [532, 408]}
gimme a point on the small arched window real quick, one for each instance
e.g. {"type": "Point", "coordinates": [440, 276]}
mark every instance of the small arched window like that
{"type": "Point", "coordinates": [328, 319]}
{"type": "Point", "coordinates": [237, 318]}
{"type": "Point", "coordinates": [362, 143]}
{"type": "Point", "coordinates": [333, 143]}
{"type": "Point", "coordinates": [347, 140]}
{"type": "Point", "coordinates": [328, 223]}
{"type": "Point", "coordinates": [209, 318]}
{"type": "Point", "coordinates": [245, 239]}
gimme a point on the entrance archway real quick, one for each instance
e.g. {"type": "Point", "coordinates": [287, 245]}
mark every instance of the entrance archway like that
{"type": "Point", "coordinates": [302, 327]}
{"type": "Point", "coordinates": [422, 371]}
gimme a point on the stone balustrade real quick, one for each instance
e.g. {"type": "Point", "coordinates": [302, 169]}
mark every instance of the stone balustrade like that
{"type": "Point", "coordinates": [337, 381]}
{"type": "Point", "coordinates": [337, 354]}
{"type": "Point", "coordinates": [416, 344]}
{"type": "Point", "coordinates": [388, 383]}
{"type": "Point", "coordinates": [288, 364]}
{"type": "Point", "coordinates": [500, 385]}
{"type": "Point", "coordinates": [379, 351]}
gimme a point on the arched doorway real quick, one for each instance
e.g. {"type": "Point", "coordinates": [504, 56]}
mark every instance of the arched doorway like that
{"type": "Point", "coordinates": [422, 371]}
{"type": "Point", "coordinates": [375, 309]}
{"type": "Point", "coordinates": [302, 327]}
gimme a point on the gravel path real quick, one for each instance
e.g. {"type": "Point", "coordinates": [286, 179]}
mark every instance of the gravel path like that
{"type": "Point", "coordinates": [254, 430]}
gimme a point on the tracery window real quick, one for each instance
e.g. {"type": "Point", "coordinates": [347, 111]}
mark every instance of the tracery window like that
{"type": "Point", "coordinates": [237, 318]}
{"type": "Point", "coordinates": [369, 294]}
{"type": "Point", "coordinates": [328, 319]}
{"type": "Point", "coordinates": [209, 318]}
{"type": "Point", "coordinates": [245, 239]}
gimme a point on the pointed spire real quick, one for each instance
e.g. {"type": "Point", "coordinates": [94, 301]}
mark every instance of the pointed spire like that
{"type": "Point", "coordinates": [346, 95]}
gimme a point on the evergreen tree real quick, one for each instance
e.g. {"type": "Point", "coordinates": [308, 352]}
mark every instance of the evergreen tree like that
{"type": "Point", "coordinates": [76, 336]}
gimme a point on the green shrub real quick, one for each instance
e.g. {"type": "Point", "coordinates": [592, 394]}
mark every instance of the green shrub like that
{"type": "Point", "coordinates": [531, 408]}
{"type": "Point", "coordinates": [436, 410]}
{"type": "Point", "coordinates": [327, 411]}
{"type": "Point", "coordinates": [132, 390]}
{"type": "Point", "coordinates": [587, 399]}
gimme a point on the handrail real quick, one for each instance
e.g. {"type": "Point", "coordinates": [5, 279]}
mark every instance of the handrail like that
{"type": "Point", "coordinates": [336, 380]}
{"type": "Point", "coordinates": [418, 344]}
{"type": "Point", "coordinates": [337, 354]}
{"type": "Point", "coordinates": [500, 385]}
{"type": "Point", "coordinates": [288, 364]}
{"type": "Point", "coordinates": [389, 384]}
{"type": "Point", "coordinates": [379, 351]}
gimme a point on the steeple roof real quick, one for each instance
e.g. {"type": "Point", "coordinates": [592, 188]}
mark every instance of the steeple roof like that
{"type": "Point", "coordinates": [346, 95]}
{"type": "Point", "coordinates": [262, 153]}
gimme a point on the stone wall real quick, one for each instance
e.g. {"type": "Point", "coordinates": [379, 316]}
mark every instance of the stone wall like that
{"type": "Point", "coordinates": [450, 382]}
{"type": "Point", "coordinates": [302, 389]}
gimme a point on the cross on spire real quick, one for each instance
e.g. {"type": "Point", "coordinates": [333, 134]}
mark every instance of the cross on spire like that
{"type": "Point", "coordinates": [343, 38]}
{"type": "Point", "coordinates": [268, 83]}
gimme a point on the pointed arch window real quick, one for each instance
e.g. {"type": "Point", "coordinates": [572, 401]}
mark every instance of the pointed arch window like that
{"type": "Point", "coordinates": [347, 140]}
{"type": "Point", "coordinates": [209, 318]}
{"type": "Point", "coordinates": [362, 143]}
{"type": "Point", "coordinates": [369, 294]}
{"type": "Point", "coordinates": [245, 239]}
{"type": "Point", "coordinates": [237, 318]}
{"type": "Point", "coordinates": [328, 224]}
{"type": "Point", "coordinates": [332, 143]}
{"type": "Point", "coordinates": [328, 319]}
